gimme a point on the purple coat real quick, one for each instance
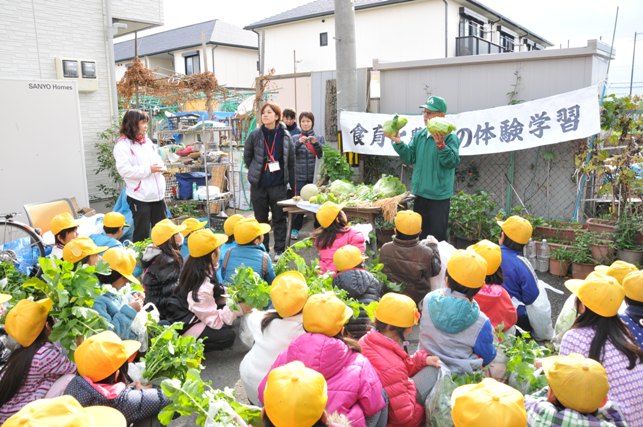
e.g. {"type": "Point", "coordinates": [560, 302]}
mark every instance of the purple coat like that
{"type": "Point", "coordinates": [354, 388]}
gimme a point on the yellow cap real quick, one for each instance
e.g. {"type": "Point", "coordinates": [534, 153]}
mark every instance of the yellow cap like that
{"type": "Point", "coordinates": [230, 223]}
{"type": "Point", "coordinates": [295, 395]}
{"type": "Point", "coordinates": [164, 230]}
{"type": "Point", "coordinates": [192, 224]}
{"type": "Point", "coordinates": [408, 222]}
{"type": "Point", "coordinates": [327, 213]}
{"type": "Point", "coordinates": [579, 383]}
{"type": "Point", "coordinates": [289, 293]}
{"type": "Point", "coordinates": [26, 320]}
{"type": "Point", "coordinates": [490, 252]}
{"type": "Point", "coordinates": [202, 242]}
{"type": "Point", "coordinates": [249, 229]}
{"type": "Point", "coordinates": [633, 286]}
{"type": "Point", "coordinates": [4, 298]}
{"type": "Point", "coordinates": [475, 405]}
{"type": "Point", "coordinates": [325, 314]}
{"type": "Point", "coordinates": [102, 354]}
{"type": "Point", "coordinates": [618, 270]}
{"type": "Point", "coordinates": [603, 295]}
{"type": "Point", "coordinates": [467, 268]}
{"type": "Point", "coordinates": [122, 261]}
{"type": "Point", "coordinates": [114, 220]}
{"type": "Point", "coordinates": [348, 257]}
{"type": "Point", "coordinates": [80, 248]}
{"type": "Point", "coordinates": [517, 229]}
{"type": "Point", "coordinates": [62, 222]}
{"type": "Point", "coordinates": [397, 310]}
{"type": "Point", "coordinates": [65, 411]}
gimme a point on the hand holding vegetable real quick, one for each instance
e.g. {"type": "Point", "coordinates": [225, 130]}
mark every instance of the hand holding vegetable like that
{"type": "Point", "coordinates": [439, 140]}
{"type": "Point", "coordinates": [392, 127]}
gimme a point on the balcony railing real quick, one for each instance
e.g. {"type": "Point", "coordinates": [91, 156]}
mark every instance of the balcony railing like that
{"type": "Point", "coordinates": [472, 45]}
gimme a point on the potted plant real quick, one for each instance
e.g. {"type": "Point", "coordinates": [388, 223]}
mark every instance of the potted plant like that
{"type": "Point", "coordinates": [606, 227]}
{"type": "Point", "coordinates": [581, 256]}
{"type": "Point", "coordinates": [559, 230]}
{"type": "Point", "coordinates": [628, 226]}
{"type": "Point", "coordinates": [560, 261]}
{"type": "Point", "coordinates": [471, 217]}
{"type": "Point", "coordinates": [601, 247]}
{"type": "Point", "coordinates": [384, 230]}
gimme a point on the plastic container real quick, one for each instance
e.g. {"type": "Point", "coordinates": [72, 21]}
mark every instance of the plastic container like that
{"type": "Point", "coordinates": [195, 193]}
{"type": "Point", "coordinates": [185, 181]}
{"type": "Point", "coordinates": [543, 257]}
{"type": "Point", "coordinates": [530, 253]}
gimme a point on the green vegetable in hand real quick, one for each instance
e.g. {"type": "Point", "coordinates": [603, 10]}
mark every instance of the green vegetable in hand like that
{"type": "Point", "coordinates": [440, 125]}
{"type": "Point", "coordinates": [248, 287]}
{"type": "Point", "coordinates": [171, 355]}
{"type": "Point", "coordinates": [393, 126]}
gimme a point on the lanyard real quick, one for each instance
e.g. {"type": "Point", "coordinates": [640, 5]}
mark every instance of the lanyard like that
{"type": "Point", "coordinates": [270, 150]}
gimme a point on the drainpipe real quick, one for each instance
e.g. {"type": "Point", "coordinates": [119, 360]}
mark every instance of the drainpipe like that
{"type": "Point", "coordinates": [213, 47]}
{"type": "Point", "coordinates": [446, 28]}
{"type": "Point", "coordinates": [261, 46]}
{"type": "Point", "coordinates": [109, 48]}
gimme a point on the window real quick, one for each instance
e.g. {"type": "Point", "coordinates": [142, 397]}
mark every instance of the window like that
{"type": "Point", "coordinates": [192, 65]}
{"type": "Point", "coordinates": [323, 39]}
{"type": "Point", "coordinates": [507, 42]}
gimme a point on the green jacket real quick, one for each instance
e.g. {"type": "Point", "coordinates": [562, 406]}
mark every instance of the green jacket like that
{"type": "Point", "coordinates": [434, 170]}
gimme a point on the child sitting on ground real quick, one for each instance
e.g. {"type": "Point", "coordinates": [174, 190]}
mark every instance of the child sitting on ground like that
{"type": "Point", "coordinates": [488, 403]}
{"type": "Point", "coordinates": [633, 316]}
{"type": "Point", "coordinates": [228, 229]}
{"type": "Point", "coordinates": [409, 261]}
{"type": "Point", "coordinates": [249, 252]}
{"type": "Point", "coordinates": [162, 264]}
{"type": "Point", "coordinates": [273, 330]}
{"type": "Point", "coordinates": [113, 225]}
{"type": "Point", "coordinates": [452, 326]}
{"type": "Point", "coordinates": [102, 379]}
{"type": "Point", "coordinates": [191, 224]}
{"type": "Point", "coordinates": [359, 283]}
{"type": "Point", "coordinates": [333, 234]}
{"type": "Point", "coordinates": [34, 367]}
{"type": "Point", "coordinates": [82, 250]}
{"type": "Point", "coordinates": [116, 309]}
{"type": "Point", "coordinates": [407, 380]}
{"type": "Point", "coordinates": [576, 395]}
{"type": "Point", "coordinates": [493, 299]}
{"type": "Point", "coordinates": [519, 279]}
{"type": "Point", "coordinates": [65, 229]}
{"type": "Point", "coordinates": [354, 389]}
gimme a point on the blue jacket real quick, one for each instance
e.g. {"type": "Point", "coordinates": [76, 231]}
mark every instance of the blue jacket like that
{"type": "Point", "coordinates": [520, 279]}
{"type": "Point", "coordinates": [120, 315]}
{"type": "Point", "coordinates": [633, 318]}
{"type": "Point", "coordinates": [249, 255]}
{"type": "Point", "coordinates": [101, 239]}
{"type": "Point", "coordinates": [454, 329]}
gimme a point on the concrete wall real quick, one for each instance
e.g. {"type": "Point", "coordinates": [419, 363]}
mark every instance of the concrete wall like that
{"type": "Point", "coordinates": [234, 67]}
{"type": "Point", "coordinates": [138, 11]}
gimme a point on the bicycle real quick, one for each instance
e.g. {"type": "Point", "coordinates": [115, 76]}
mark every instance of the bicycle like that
{"type": "Point", "coordinates": [20, 245]}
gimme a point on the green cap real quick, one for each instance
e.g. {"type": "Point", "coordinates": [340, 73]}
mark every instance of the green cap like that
{"type": "Point", "coordinates": [435, 103]}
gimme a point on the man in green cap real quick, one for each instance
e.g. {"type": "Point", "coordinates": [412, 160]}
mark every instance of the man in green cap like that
{"type": "Point", "coordinates": [435, 156]}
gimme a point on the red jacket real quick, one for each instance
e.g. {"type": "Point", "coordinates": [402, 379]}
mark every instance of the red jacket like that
{"type": "Point", "coordinates": [495, 302]}
{"type": "Point", "coordinates": [395, 368]}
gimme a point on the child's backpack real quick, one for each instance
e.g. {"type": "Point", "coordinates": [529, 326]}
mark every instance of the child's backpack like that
{"type": "Point", "coordinates": [264, 262]}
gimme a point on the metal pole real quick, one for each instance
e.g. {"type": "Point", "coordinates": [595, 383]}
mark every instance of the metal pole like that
{"type": "Point", "coordinates": [294, 69]}
{"type": "Point", "coordinates": [136, 56]}
{"type": "Point", "coordinates": [633, 56]}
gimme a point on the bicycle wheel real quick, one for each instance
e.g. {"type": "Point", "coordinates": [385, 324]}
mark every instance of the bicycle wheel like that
{"type": "Point", "coordinates": [20, 246]}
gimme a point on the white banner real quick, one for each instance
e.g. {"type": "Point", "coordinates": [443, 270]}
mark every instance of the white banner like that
{"type": "Point", "coordinates": [559, 118]}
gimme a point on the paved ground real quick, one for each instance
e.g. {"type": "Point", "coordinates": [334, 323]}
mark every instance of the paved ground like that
{"type": "Point", "coordinates": [222, 368]}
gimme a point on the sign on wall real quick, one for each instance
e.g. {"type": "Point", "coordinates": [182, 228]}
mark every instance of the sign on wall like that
{"type": "Point", "coordinates": [545, 121]}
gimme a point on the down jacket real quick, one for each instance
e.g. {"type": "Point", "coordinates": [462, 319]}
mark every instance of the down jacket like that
{"type": "Point", "coordinates": [364, 287]}
{"type": "Point", "coordinates": [395, 367]}
{"type": "Point", "coordinates": [350, 237]}
{"type": "Point", "coordinates": [412, 263]}
{"type": "Point", "coordinates": [304, 159]}
{"type": "Point", "coordinates": [160, 277]}
{"type": "Point", "coordinates": [354, 389]}
{"type": "Point", "coordinates": [255, 157]}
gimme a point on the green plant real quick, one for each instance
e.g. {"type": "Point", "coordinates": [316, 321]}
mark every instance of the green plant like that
{"type": "Point", "coordinates": [581, 252]}
{"type": "Point", "coordinates": [249, 288]}
{"type": "Point", "coordinates": [334, 165]}
{"type": "Point", "coordinates": [562, 254]}
{"type": "Point", "coordinates": [629, 225]}
{"type": "Point", "coordinates": [107, 163]}
{"type": "Point", "coordinates": [471, 215]}
{"type": "Point", "coordinates": [382, 224]}
{"type": "Point", "coordinates": [522, 352]}
{"type": "Point", "coordinates": [185, 209]}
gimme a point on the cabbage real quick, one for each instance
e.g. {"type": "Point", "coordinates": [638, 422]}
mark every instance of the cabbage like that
{"type": "Point", "coordinates": [440, 125]}
{"type": "Point", "coordinates": [341, 187]}
{"type": "Point", "coordinates": [388, 186]}
{"type": "Point", "coordinates": [363, 191]}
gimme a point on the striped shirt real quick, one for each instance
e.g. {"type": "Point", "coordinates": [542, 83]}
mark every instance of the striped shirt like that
{"type": "Point", "coordinates": [625, 384]}
{"type": "Point", "coordinates": [49, 364]}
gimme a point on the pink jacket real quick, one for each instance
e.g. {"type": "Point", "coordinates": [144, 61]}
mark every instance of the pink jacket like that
{"type": "Point", "coordinates": [351, 237]}
{"type": "Point", "coordinates": [395, 367]}
{"type": "Point", "coordinates": [354, 389]}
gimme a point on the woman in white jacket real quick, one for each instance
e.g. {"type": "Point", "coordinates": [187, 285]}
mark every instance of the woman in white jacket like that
{"type": "Point", "coordinates": [141, 167]}
{"type": "Point", "coordinates": [273, 330]}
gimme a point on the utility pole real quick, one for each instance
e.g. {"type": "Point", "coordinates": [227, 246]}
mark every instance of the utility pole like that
{"type": "Point", "coordinates": [345, 57]}
{"type": "Point", "coordinates": [633, 57]}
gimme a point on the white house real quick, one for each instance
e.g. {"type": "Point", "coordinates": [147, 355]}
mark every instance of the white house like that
{"type": "Point", "coordinates": [36, 34]}
{"type": "Point", "coordinates": [229, 51]}
{"type": "Point", "coordinates": [303, 39]}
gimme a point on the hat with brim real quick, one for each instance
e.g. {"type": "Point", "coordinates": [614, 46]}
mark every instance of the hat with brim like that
{"type": "Point", "coordinates": [603, 295]}
{"type": "Point", "coordinates": [4, 298]}
{"type": "Point", "coordinates": [81, 247]}
{"type": "Point", "coordinates": [192, 224]}
{"type": "Point", "coordinates": [102, 354]}
{"type": "Point", "coordinates": [122, 261]}
{"type": "Point", "coordinates": [435, 103]}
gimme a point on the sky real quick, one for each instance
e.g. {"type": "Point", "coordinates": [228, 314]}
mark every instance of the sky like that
{"type": "Point", "coordinates": [562, 22]}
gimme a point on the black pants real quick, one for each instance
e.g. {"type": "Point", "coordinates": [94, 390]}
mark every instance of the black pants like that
{"type": "Point", "coordinates": [435, 217]}
{"type": "Point", "coordinates": [218, 339]}
{"type": "Point", "coordinates": [264, 200]}
{"type": "Point", "coordinates": [146, 215]}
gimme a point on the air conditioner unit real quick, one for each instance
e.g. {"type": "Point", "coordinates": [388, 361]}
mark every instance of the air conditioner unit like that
{"type": "Point", "coordinates": [81, 70]}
